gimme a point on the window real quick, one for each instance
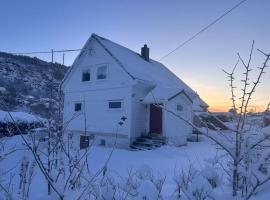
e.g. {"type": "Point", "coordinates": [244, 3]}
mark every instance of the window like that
{"type": "Point", "coordinates": [179, 108]}
{"type": "Point", "coordinates": [103, 142]}
{"type": "Point", "coordinates": [86, 76]}
{"type": "Point", "coordinates": [78, 107]}
{"type": "Point", "coordinates": [102, 72]}
{"type": "Point", "coordinates": [115, 104]}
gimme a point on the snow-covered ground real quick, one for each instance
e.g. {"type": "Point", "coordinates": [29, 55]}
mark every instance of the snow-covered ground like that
{"type": "Point", "coordinates": [164, 162]}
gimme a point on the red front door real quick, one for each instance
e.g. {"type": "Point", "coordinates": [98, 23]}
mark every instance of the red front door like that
{"type": "Point", "coordinates": [155, 119]}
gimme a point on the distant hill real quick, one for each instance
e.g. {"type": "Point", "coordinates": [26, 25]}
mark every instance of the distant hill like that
{"type": "Point", "coordinates": [25, 83]}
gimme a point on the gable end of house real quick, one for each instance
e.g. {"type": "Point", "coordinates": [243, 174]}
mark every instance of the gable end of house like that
{"type": "Point", "coordinates": [181, 92]}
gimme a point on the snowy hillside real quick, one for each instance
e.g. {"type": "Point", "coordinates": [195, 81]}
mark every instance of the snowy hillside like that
{"type": "Point", "coordinates": [25, 83]}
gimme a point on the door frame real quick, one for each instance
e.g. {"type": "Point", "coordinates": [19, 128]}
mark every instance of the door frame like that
{"type": "Point", "coordinates": [149, 119]}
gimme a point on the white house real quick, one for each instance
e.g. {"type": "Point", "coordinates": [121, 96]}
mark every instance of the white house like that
{"type": "Point", "coordinates": [109, 83]}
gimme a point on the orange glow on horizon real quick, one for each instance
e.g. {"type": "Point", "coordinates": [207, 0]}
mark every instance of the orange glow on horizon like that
{"type": "Point", "coordinates": [219, 99]}
{"type": "Point", "coordinates": [221, 103]}
{"type": "Point", "coordinates": [253, 108]}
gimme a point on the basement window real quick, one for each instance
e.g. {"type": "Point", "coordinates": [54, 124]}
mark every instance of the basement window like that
{"type": "Point", "coordinates": [102, 72]}
{"type": "Point", "coordinates": [102, 142]}
{"type": "Point", "coordinates": [86, 76]}
{"type": "Point", "coordinates": [78, 107]}
{"type": "Point", "coordinates": [115, 104]}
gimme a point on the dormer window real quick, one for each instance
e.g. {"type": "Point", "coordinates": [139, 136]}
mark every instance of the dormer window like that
{"type": "Point", "coordinates": [101, 72]}
{"type": "Point", "coordinates": [86, 75]}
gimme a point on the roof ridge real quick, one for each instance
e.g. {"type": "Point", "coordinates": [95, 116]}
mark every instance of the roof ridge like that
{"type": "Point", "coordinates": [137, 53]}
{"type": "Point", "coordinates": [111, 54]}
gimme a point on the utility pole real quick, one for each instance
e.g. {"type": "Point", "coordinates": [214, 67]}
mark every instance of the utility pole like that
{"type": "Point", "coordinates": [52, 55]}
{"type": "Point", "coordinates": [63, 59]}
{"type": "Point", "coordinates": [50, 124]}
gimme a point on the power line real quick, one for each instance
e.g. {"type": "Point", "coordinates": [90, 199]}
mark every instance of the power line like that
{"type": "Point", "coordinates": [178, 47]}
{"type": "Point", "coordinates": [45, 52]}
{"type": "Point", "coordinates": [49, 52]}
{"type": "Point", "coordinates": [203, 29]}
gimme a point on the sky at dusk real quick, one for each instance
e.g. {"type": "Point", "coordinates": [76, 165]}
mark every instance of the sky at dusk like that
{"type": "Point", "coordinates": [33, 25]}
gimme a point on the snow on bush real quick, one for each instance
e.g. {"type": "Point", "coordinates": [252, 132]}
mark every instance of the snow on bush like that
{"type": "Point", "coordinates": [147, 191]}
{"type": "Point", "coordinates": [200, 188]}
{"type": "Point", "coordinates": [130, 185]}
{"type": "Point", "coordinates": [211, 174]}
{"type": "Point", "coordinates": [108, 188]}
{"type": "Point", "coordinates": [194, 184]}
{"type": "Point", "coordinates": [2, 90]}
{"type": "Point", "coordinates": [145, 172]}
{"type": "Point", "coordinates": [18, 117]}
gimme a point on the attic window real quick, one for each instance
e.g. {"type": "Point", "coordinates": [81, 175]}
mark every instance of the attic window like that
{"type": "Point", "coordinates": [102, 72]}
{"type": "Point", "coordinates": [86, 76]}
{"type": "Point", "coordinates": [179, 108]}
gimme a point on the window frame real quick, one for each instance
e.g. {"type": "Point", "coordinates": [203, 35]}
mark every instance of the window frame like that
{"type": "Point", "coordinates": [116, 100]}
{"type": "Point", "coordinates": [90, 75]}
{"type": "Point", "coordinates": [100, 66]}
{"type": "Point", "coordinates": [76, 103]}
{"type": "Point", "coordinates": [178, 104]}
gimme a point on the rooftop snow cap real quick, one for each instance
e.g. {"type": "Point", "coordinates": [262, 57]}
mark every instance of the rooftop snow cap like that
{"type": "Point", "coordinates": [145, 52]}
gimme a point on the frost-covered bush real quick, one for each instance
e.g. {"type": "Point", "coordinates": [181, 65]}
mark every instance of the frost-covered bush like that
{"type": "Point", "coordinates": [211, 174]}
{"type": "Point", "coordinates": [147, 191]}
{"type": "Point", "coordinates": [26, 175]}
{"type": "Point", "coordinates": [108, 187]}
{"type": "Point", "coordinates": [140, 185]}
{"type": "Point", "coordinates": [150, 186]}
{"type": "Point", "coordinates": [199, 188]}
{"type": "Point", "coordinates": [193, 184]}
{"type": "Point", "coordinates": [144, 173]}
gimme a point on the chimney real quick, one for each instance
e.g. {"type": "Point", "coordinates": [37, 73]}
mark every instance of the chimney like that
{"type": "Point", "coordinates": [145, 52]}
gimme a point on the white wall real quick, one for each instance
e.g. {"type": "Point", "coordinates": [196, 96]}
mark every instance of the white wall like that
{"type": "Point", "coordinates": [175, 129]}
{"type": "Point", "coordinates": [99, 118]}
{"type": "Point", "coordinates": [116, 77]}
{"type": "Point", "coordinates": [139, 110]}
{"type": "Point", "coordinates": [95, 94]}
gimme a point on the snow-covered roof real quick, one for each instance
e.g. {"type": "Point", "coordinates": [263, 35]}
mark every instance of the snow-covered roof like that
{"type": "Point", "coordinates": [150, 71]}
{"type": "Point", "coordinates": [161, 94]}
{"type": "Point", "coordinates": [141, 69]}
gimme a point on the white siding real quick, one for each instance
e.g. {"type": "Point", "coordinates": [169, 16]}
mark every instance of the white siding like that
{"type": "Point", "coordinates": [139, 111]}
{"type": "Point", "coordinates": [99, 118]}
{"type": "Point", "coordinates": [96, 57]}
{"type": "Point", "coordinates": [175, 129]}
{"type": "Point", "coordinates": [95, 95]}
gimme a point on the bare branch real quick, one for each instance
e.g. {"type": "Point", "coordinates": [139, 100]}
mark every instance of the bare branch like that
{"type": "Point", "coordinates": [36, 157]}
{"type": "Point", "coordinates": [258, 80]}
{"type": "Point", "coordinates": [231, 80]}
